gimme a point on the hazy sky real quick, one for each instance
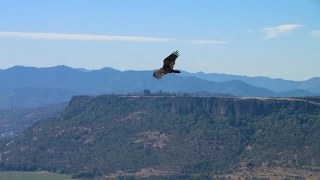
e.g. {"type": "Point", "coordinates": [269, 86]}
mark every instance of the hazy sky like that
{"type": "Point", "coordinates": [275, 38]}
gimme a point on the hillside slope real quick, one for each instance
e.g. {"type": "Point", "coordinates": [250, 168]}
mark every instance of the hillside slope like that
{"type": "Point", "coordinates": [107, 134]}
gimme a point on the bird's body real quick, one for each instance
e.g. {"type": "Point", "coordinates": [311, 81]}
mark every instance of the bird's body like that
{"type": "Point", "coordinates": [168, 64]}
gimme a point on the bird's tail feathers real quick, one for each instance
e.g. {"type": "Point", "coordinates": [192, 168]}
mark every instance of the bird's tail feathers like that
{"type": "Point", "coordinates": [176, 53]}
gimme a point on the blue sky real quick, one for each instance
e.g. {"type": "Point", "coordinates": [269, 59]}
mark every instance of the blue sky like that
{"type": "Point", "coordinates": [279, 39]}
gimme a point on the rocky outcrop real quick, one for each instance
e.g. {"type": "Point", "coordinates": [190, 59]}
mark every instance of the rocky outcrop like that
{"type": "Point", "coordinates": [216, 106]}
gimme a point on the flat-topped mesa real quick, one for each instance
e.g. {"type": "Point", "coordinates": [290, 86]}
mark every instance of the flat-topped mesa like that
{"type": "Point", "coordinates": [110, 133]}
{"type": "Point", "coordinates": [216, 106]}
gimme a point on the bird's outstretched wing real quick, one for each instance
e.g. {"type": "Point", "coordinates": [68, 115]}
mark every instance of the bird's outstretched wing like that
{"type": "Point", "coordinates": [159, 73]}
{"type": "Point", "coordinates": [169, 61]}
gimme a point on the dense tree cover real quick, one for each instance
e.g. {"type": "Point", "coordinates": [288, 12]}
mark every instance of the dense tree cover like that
{"type": "Point", "coordinates": [182, 135]}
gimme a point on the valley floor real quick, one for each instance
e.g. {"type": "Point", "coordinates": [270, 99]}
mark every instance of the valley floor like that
{"type": "Point", "coordinates": [18, 175]}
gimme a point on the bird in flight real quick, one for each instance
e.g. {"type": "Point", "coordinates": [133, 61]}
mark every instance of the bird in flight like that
{"type": "Point", "coordinates": [167, 67]}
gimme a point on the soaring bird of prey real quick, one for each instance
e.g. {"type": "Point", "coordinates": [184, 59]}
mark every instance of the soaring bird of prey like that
{"type": "Point", "coordinates": [167, 67]}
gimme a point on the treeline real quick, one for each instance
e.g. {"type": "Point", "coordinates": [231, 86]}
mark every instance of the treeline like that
{"type": "Point", "coordinates": [147, 92]}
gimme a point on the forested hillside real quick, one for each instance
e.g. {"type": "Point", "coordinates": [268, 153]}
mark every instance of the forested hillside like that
{"type": "Point", "coordinates": [113, 135]}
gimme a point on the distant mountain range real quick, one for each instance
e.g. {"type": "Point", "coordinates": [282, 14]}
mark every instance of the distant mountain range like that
{"type": "Point", "coordinates": [277, 85]}
{"type": "Point", "coordinates": [29, 97]}
{"type": "Point", "coordinates": [28, 86]}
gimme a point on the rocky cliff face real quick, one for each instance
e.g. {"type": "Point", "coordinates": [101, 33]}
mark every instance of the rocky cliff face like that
{"type": "Point", "coordinates": [221, 106]}
{"type": "Point", "coordinates": [216, 106]}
